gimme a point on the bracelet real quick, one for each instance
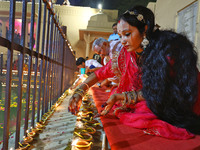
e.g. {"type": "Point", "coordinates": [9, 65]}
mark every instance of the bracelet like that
{"type": "Point", "coordinates": [124, 101]}
{"type": "Point", "coordinates": [86, 85]}
{"type": "Point", "coordinates": [79, 91]}
{"type": "Point", "coordinates": [129, 97]}
{"type": "Point", "coordinates": [78, 94]}
{"type": "Point", "coordinates": [133, 97]}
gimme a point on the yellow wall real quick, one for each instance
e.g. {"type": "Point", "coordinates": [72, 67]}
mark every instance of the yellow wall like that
{"type": "Point", "coordinates": [76, 18]}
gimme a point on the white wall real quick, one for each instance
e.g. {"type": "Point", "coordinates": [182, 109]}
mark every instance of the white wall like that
{"type": "Point", "coordinates": [166, 16]}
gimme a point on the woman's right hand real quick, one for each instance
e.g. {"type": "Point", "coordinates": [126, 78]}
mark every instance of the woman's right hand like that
{"type": "Point", "coordinates": [74, 103]}
{"type": "Point", "coordinates": [111, 101]}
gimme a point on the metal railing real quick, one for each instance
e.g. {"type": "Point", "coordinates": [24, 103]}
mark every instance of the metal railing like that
{"type": "Point", "coordinates": [54, 66]}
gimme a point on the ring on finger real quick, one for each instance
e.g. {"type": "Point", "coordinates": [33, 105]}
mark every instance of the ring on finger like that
{"type": "Point", "coordinates": [106, 111]}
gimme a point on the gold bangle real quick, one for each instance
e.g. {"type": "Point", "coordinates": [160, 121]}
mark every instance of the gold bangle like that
{"type": "Point", "coordinates": [86, 85]}
{"type": "Point", "coordinates": [79, 91]}
{"type": "Point", "coordinates": [124, 101]}
{"type": "Point", "coordinates": [129, 98]}
{"type": "Point", "coordinates": [78, 94]}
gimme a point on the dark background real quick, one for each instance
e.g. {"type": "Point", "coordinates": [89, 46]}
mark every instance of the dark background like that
{"type": "Point", "coordinates": [120, 5]}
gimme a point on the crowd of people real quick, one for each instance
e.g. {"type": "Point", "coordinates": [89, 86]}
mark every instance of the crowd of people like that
{"type": "Point", "coordinates": [156, 74]}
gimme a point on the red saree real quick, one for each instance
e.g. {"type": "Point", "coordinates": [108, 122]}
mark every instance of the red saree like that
{"type": "Point", "coordinates": [125, 67]}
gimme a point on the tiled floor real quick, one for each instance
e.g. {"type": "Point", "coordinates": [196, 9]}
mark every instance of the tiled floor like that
{"type": "Point", "coordinates": [58, 131]}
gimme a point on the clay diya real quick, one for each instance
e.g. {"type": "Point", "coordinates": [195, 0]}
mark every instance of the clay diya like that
{"type": "Point", "coordinates": [84, 136]}
{"type": "Point", "coordinates": [90, 130]}
{"type": "Point", "coordinates": [82, 114]}
{"type": "Point", "coordinates": [23, 146]}
{"type": "Point", "coordinates": [36, 130]}
{"type": "Point", "coordinates": [83, 145]}
{"type": "Point", "coordinates": [39, 125]}
{"type": "Point", "coordinates": [28, 139]}
{"type": "Point", "coordinates": [87, 129]}
{"type": "Point", "coordinates": [32, 133]}
{"type": "Point", "coordinates": [93, 123]}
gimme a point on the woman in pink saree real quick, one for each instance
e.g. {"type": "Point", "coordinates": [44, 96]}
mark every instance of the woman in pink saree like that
{"type": "Point", "coordinates": [158, 86]}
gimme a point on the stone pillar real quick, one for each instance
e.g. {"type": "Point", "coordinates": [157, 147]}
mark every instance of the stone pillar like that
{"type": "Point", "coordinates": [88, 39]}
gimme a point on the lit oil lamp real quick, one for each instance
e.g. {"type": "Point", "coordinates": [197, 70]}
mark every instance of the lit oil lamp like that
{"type": "Point", "coordinates": [81, 144]}
{"type": "Point", "coordinates": [70, 91]}
{"type": "Point", "coordinates": [84, 136]}
{"type": "Point", "coordinates": [90, 130]}
{"type": "Point", "coordinates": [93, 123]}
{"type": "Point", "coordinates": [86, 129]}
{"type": "Point", "coordinates": [23, 146]}
{"type": "Point", "coordinates": [42, 122]}
{"type": "Point", "coordinates": [39, 125]}
{"type": "Point", "coordinates": [80, 125]}
{"type": "Point", "coordinates": [27, 139]}
{"type": "Point", "coordinates": [83, 114]}
{"type": "Point", "coordinates": [32, 133]}
{"type": "Point", "coordinates": [85, 99]}
{"type": "Point", "coordinates": [56, 105]}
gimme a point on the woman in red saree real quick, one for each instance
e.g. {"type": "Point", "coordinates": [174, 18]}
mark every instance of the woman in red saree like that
{"type": "Point", "coordinates": [161, 64]}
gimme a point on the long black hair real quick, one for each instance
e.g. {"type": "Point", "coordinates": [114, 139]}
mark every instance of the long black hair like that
{"type": "Point", "coordinates": [170, 79]}
{"type": "Point", "coordinates": [169, 72]}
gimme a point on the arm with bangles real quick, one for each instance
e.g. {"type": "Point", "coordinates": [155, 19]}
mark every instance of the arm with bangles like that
{"type": "Point", "coordinates": [76, 99]}
{"type": "Point", "coordinates": [126, 99]}
{"type": "Point", "coordinates": [92, 70]}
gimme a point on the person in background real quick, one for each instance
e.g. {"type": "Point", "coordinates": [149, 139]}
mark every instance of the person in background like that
{"type": "Point", "coordinates": [114, 36]}
{"type": "Point", "coordinates": [159, 81]}
{"type": "Point", "coordinates": [106, 49]}
{"type": "Point", "coordinates": [97, 57]}
{"type": "Point", "coordinates": [91, 65]}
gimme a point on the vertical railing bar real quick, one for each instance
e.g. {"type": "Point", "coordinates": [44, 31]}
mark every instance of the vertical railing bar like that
{"type": "Point", "coordinates": [54, 56]}
{"type": "Point", "coordinates": [45, 72]}
{"type": "Point", "coordinates": [29, 66]}
{"type": "Point", "coordinates": [42, 60]}
{"type": "Point", "coordinates": [31, 48]}
{"type": "Point", "coordinates": [52, 76]}
{"type": "Point", "coordinates": [52, 52]}
{"type": "Point", "coordinates": [20, 73]}
{"type": "Point", "coordinates": [53, 66]}
{"type": "Point", "coordinates": [36, 66]}
{"type": "Point", "coordinates": [58, 55]}
{"type": "Point", "coordinates": [9, 75]}
{"type": "Point", "coordinates": [63, 57]}
{"type": "Point", "coordinates": [49, 64]}
{"type": "Point", "coordinates": [56, 66]}
{"type": "Point", "coordinates": [60, 58]}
